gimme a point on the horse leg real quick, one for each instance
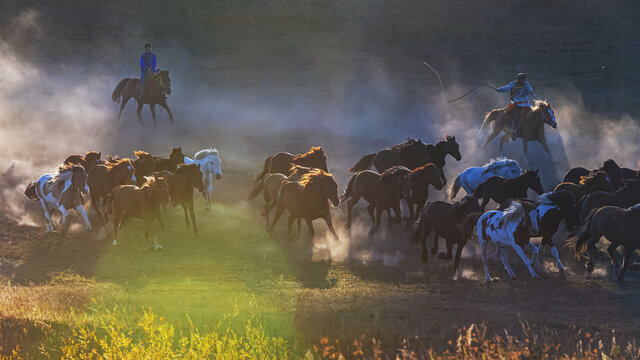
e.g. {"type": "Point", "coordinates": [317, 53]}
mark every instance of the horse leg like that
{"type": "Point", "coordinates": [125, 100]}
{"type": "Point", "coordinates": [116, 224]}
{"type": "Point", "coordinates": [47, 215]}
{"type": "Point", "coordinates": [186, 215]}
{"type": "Point", "coordinates": [193, 215]}
{"type": "Point", "coordinates": [376, 224]}
{"type": "Point", "coordinates": [370, 210]}
{"type": "Point", "coordinates": [434, 248]}
{"type": "Point", "coordinates": [535, 251]}
{"type": "Point", "coordinates": [85, 218]}
{"type": "Point", "coordinates": [456, 261]}
{"type": "Point", "coordinates": [543, 142]}
{"type": "Point", "coordinates": [505, 261]}
{"type": "Point", "coordinates": [424, 232]}
{"type": "Point", "coordinates": [327, 219]}
{"type": "Point", "coordinates": [483, 251]}
{"type": "Point", "coordinates": [525, 260]}
{"type": "Point", "coordinates": [312, 232]}
{"type": "Point", "coordinates": [555, 254]}
{"type": "Point", "coordinates": [503, 140]}
{"type": "Point", "coordinates": [299, 225]}
{"type": "Point", "coordinates": [166, 107]}
{"type": "Point", "coordinates": [279, 211]}
{"type": "Point", "coordinates": [156, 245]}
{"type": "Point", "coordinates": [64, 212]}
{"type": "Point", "coordinates": [625, 262]}
{"type": "Point", "coordinates": [153, 113]}
{"type": "Point", "coordinates": [611, 250]}
{"type": "Point", "coordinates": [292, 218]}
{"type": "Point", "coordinates": [449, 254]}
{"type": "Point", "coordinates": [396, 210]}
{"type": "Point", "coordinates": [94, 204]}
{"type": "Point", "coordinates": [350, 204]}
{"type": "Point", "coordinates": [492, 136]}
{"type": "Point", "coordinates": [139, 111]}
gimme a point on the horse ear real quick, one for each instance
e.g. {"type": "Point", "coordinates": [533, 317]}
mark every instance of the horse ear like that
{"type": "Point", "coordinates": [454, 138]}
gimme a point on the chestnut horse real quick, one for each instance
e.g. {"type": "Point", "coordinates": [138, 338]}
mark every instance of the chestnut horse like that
{"type": "Point", "coordinates": [307, 199]}
{"type": "Point", "coordinates": [103, 178]}
{"type": "Point", "coordinates": [88, 161]}
{"type": "Point", "coordinates": [155, 93]}
{"type": "Point", "coordinates": [272, 183]}
{"type": "Point", "coordinates": [144, 165]}
{"type": "Point", "coordinates": [143, 203]}
{"type": "Point", "coordinates": [181, 185]}
{"type": "Point", "coordinates": [500, 189]}
{"type": "Point", "coordinates": [381, 191]}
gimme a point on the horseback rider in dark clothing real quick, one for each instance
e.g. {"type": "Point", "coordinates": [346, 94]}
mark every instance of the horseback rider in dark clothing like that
{"type": "Point", "coordinates": [148, 62]}
{"type": "Point", "coordinates": [520, 93]}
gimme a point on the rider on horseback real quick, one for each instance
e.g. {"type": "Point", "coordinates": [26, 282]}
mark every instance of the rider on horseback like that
{"type": "Point", "coordinates": [148, 62]}
{"type": "Point", "coordinates": [520, 92]}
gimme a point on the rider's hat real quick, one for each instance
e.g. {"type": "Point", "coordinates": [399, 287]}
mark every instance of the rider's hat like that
{"type": "Point", "coordinates": [521, 76]}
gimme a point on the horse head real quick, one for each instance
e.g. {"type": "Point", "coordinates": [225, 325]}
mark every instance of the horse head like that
{"type": "Point", "coordinates": [176, 156]}
{"type": "Point", "coordinates": [548, 116]}
{"type": "Point", "coordinates": [314, 158]}
{"type": "Point", "coordinates": [452, 147]}
{"type": "Point", "coordinates": [79, 179]}
{"type": "Point", "coordinates": [327, 185]}
{"type": "Point", "coordinates": [431, 175]}
{"type": "Point", "coordinates": [193, 175]}
{"type": "Point", "coordinates": [568, 207]}
{"type": "Point", "coordinates": [124, 171]}
{"type": "Point", "coordinates": [158, 183]}
{"type": "Point", "coordinates": [533, 181]}
{"type": "Point", "coordinates": [397, 178]}
{"type": "Point", "coordinates": [164, 81]}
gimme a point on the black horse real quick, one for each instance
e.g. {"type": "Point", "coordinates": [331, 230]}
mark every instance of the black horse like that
{"type": "Point", "coordinates": [615, 173]}
{"type": "Point", "coordinates": [411, 154]}
{"type": "Point", "coordinates": [157, 88]}
{"type": "Point", "coordinates": [500, 189]}
{"type": "Point", "coordinates": [445, 219]}
{"type": "Point", "coordinates": [627, 195]}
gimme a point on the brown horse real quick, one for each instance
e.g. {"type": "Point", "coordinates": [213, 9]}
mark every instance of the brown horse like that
{"type": "Point", "coordinates": [155, 93]}
{"type": "Point", "coordinates": [381, 191]}
{"type": "Point", "coordinates": [412, 154]}
{"type": "Point", "coordinates": [307, 199]}
{"type": "Point", "coordinates": [103, 178]}
{"type": "Point", "coordinates": [420, 179]}
{"type": "Point", "coordinates": [144, 165]}
{"type": "Point", "coordinates": [88, 161]}
{"type": "Point", "coordinates": [626, 196]}
{"type": "Point", "coordinates": [613, 170]}
{"type": "Point", "coordinates": [171, 164]}
{"type": "Point", "coordinates": [143, 203]}
{"type": "Point", "coordinates": [282, 161]}
{"type": "Point", "coordinates": [273, 182]}
{"type": "Point", "coordinates": [531, 128]}
{"type": "Point", "coordinates": [595, 181]}
{"type": "Point", "coordinates": [181, 185]}
{"type": "Point", "coordinates": [500, 189]}
{"type": "Point", "coordinates": [620, 226]}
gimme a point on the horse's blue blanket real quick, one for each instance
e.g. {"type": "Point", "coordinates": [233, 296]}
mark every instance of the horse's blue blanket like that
{"type": "Point", "coordinates": [147, 61]}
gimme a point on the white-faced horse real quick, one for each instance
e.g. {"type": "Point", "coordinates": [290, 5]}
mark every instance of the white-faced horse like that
{"type": "Point", "coordinates": [210, 165]}
{"type": "Point", "coordinates": [504, 229]}
{"type": "Point", "coordinates": [62, 190]}
{"type": "Point", "coordinates": [472, 177]}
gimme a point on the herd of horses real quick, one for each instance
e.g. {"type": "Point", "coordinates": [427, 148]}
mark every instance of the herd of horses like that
{"type": "Point", "coordinates": [124, 188]}
{"type": "Point", "coordinates": [591, 203]}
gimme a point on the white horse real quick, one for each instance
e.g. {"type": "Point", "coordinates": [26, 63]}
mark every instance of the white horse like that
{"type": "Point", "coordinates": [210, 165]}
{"type": "Point", "coordinates": [472, 177]}
{"type": "Point", "coordinates": [62, 190]}
{"type": "Point", "coordinates": [511, 228]}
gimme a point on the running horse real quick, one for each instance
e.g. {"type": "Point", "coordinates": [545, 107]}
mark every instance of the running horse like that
{"type": "Point", "coordinates": [155, 93]}
{"type": "Point", "coordinates": [531, 127]}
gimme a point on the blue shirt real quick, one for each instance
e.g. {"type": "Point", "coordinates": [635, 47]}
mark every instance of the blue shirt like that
{"type": "Point", "coordinates": [147, 61]}
{"type": "Point", "coordinates": [519, 94]}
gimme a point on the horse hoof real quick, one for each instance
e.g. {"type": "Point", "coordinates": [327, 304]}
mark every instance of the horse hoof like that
{"type": "Point", "coordinates": [115, 242]}
{"type": "Point", "coordinates": [158, 247]}
{"type": "Point", "coordinates": [491, 280]}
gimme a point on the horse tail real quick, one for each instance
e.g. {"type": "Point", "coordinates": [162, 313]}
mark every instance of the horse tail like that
{"type": "Point", "coordinates": [584, 235]}
{"type": "Point", "coordinates": [490, 117]}
{"type": "Point", "coordinates": [30, 191]}
{"type": "Point", "coordinates": [347, 193]}
{"type": "Point", "coordinates": [257, 188]}
{"type": "Point", "coordinates": [364, 163]}
{"type": "Point", "coordinates": [455, 187]}
{"type": "Point", "coordinates": [265, 169]}
{"type": "Point", "coordinates": [469, 223]}
{"type": "Point", "coordinates": [117, 92]}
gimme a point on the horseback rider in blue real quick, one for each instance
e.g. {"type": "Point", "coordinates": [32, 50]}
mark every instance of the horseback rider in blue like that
{"type": "Point", "coordinates": [148, 62]}
{"type": "Point", "coordinates": [520, 94]}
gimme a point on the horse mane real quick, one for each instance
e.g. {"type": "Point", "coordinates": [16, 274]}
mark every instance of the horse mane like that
{"type": "Point", "coordinates": [537, 104]}
{"type": "Point", "coordinates": [149, 181]}
{"type": "Point", "coordinates": [91, 153]}
{"type": "Point", "coordinates": [513, 213]}
{"type": "Point", "coordinates": [422, 169]}
{"type": "Point", "coordinates": [62, 174]}
{"type": "Point", "coordinates": [206, 152]}
{"type": "Point", "coordinates": [313, 177]}
{"type": "Point", "coordinates": [183, 168]}
{"type": "Point", "coordinates": [498, 163]}
{"type": "Point", "coordinates": [139, 153]}
{"type": "Point", "coordinates": [592, 177]}
{"type": "Point", "coordinates": [547, 198]}
{"type": "Point", "coordinates": [391, 172]}
{"type": "Point", "coordinates": [118, 162]}
{"type": "Point", "coordinates": [409, 143]}
{"type": "Point", "coordinates": [313, 152]}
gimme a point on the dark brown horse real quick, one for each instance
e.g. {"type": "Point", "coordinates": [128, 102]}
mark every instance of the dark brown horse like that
{"type": "Point", "coordinates": [531, 127]}
{"type": "Point", "coordinates": [500, 189]}
{"type": "Point", "coordinates": [155, 93]}
{"type": "Point", "coordinates": [411, 154]}
{"type": "Point", "coordinates": [144, 165]}
{"type": "Point", "coordinates": [420, 179]}
{"type": "Point", "coordinates": [171, 164]}
{"type": "Point", "coordinates": [594, 181]}
{"type": "Point", "coordinates": [445, 220]}
{"type": "Point", "coordinates": [181, 185]}
{"type": "Point", "coordinates": [273, 182]}
{"type": "Point", "coordinates": [143, 203]}
{"type": "Point", "coordinates": [626, 196]}
{"type": "Point", "coordinates": [281, 163]}
{"type": "Point", "coordinates": [614, 172]}
{"type": "Point", "coordinates": [307, 199]}
{"type": "Point", "coordinates": [88, 161]}
{"type": "Point", "coordinates": [103, 178]}
{"type": "Point", "coordinates": [620, 226]}
{"type": "Point", "coordinates": [382, 192]}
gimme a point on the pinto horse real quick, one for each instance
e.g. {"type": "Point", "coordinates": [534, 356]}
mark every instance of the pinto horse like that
{"type": "Point", "coordinates": [181, 185]}
{"type": "Point", "coordinates": [155, 93]}
{"type": "Point", "coordinates": [531, 127]}
{"type": "Point", "coordinates": [61, 190]}
{"type": "Point", "coordinates": [138, 202]}
{"type": "Point", "coordinates": [411, 154]}
{"type": "Point", "coordinates": [504, 229]}
{"type": "Point", "coordinates": [620, 226]}
{"type": "Point", "coordinates": [382, 191]}
{"type": "Point", "coordinates": [500, 189]}
{"type": "Point", "coordinates": [281, 163]}
{"type": "Point", "coordinates": [88, 161]}
{"type": "Point", "coordinates": [472, 177]}
{"type": "Point", "coordinates": [307, 199]}
{"type": "Point", "coordinates": [210, 165]}
{"type": "Point", "coordinates": [103, 178]}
